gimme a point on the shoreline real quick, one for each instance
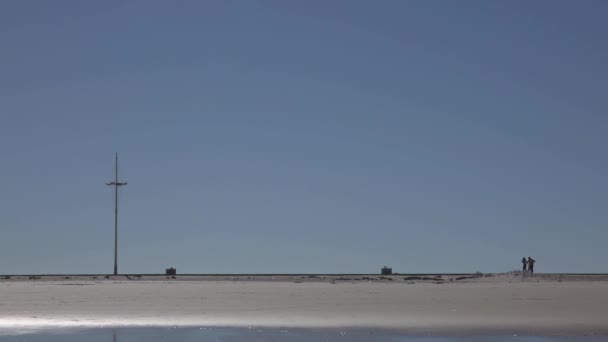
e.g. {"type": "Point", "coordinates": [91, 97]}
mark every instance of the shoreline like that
{"type": "Point", "coordinates": [338, 330]}
{"type": "Point", "coordinates": [511, 277]}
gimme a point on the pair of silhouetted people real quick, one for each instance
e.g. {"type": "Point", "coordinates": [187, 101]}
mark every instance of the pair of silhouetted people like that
{"type": "Point", "coordinates": [528, 265]}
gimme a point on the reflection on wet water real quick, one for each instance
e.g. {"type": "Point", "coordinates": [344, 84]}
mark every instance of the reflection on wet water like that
{"type": "Point", "coordinates": [254, 334]}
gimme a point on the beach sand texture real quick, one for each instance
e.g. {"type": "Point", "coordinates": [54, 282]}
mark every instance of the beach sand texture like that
{"type": "Point", "coordinates": [543, 304]}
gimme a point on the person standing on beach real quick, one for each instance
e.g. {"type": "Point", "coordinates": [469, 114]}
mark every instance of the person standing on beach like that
{"type": "Point", "coordinates": [525, 264]}
{"type": "Point", "coordinates": [531, 265]}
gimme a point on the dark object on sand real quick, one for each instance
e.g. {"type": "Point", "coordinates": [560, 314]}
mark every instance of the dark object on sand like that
{"type": "Point", "coordinates": [170, 271]}
{"type": "Point", "coordinates": [437, 278]}
{"type": "Point", "coordinates": [386, 270]}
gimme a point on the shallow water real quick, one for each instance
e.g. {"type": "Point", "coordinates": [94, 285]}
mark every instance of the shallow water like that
{"type": "Point", "coordinates": [253, 334]}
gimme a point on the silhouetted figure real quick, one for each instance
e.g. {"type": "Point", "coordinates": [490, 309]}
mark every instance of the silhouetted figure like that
{"type": "Point", "coordinates": [525, 264]}
{"type": "Point", "coordinates": [531, 265]}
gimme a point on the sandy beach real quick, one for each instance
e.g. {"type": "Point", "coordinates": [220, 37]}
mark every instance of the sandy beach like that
{"type": "Point", "coordinates": [547, 304]}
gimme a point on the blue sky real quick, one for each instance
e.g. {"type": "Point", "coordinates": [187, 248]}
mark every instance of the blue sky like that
{"type": "Point", "coordinates": [310, 136]}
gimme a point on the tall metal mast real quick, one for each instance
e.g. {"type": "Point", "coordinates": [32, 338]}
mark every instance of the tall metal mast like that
{"type": "Point", "coordinates": [116, 184]}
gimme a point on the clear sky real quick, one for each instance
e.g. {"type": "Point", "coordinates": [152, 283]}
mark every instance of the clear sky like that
{"type": "Point", "coordinates": [304, 136]}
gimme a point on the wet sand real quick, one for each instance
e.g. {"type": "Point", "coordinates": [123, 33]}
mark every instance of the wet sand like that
{"type": "Point", "coordinates": [506, 303]}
